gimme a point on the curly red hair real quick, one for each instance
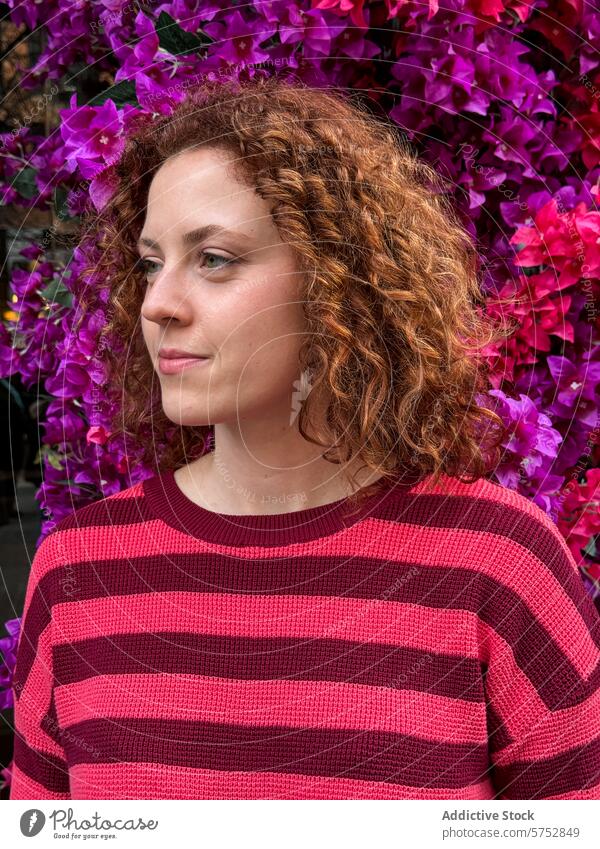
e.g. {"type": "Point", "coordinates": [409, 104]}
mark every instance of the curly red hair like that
{"type": "Point", "coordinates": [393, 304]}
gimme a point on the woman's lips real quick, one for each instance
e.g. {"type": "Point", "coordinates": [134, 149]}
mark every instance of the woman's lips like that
{"type": "Point", "coordinates": [168, 365]}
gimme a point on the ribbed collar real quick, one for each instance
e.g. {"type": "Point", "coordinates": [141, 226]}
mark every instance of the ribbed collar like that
{"type": "Point", "coordinates": [169, 503]}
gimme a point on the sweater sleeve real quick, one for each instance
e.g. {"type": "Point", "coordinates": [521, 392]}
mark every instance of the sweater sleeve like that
{"type": "Point", "coordinates": [540, 636]}
{"type": "Point", "coordinates": [39, 769]}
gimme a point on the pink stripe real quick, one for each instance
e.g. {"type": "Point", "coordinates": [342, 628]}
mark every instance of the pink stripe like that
{"type": "Point", "coordinates": [522, 710]}
{"type": "Point", "coordinates": [23, 787]}
{"type": "Point", "coordinates": [155, 781]}
{"type": "Point", "coordinates": [363, 620]}
{"type": "Point", "coordinates": [555, 733]}
{"type": "Point", "coordinates": [34, 700]}
{"type": "Point", "coordinates": [296, 704]}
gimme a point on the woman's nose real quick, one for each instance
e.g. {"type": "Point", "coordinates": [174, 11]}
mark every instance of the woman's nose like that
{"type": "Point", "coordinates": [166, 297]}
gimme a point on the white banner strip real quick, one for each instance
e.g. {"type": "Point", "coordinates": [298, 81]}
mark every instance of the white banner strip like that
{"type": "Point", "coordinates": [296, 824]}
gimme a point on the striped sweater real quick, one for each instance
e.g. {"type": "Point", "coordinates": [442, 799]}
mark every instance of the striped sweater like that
{"type": "Point", "coordinates": [435, 645]}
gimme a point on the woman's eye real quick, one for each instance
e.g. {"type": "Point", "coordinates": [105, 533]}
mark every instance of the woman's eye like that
{"type": "Point", "coordinates": [145, 263]}
{"type": "Point", "coordinates": [148, 263]}
{"type": "Point", "coordinates": [223, 259]}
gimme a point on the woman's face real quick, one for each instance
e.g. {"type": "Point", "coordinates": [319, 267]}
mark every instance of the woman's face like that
{"type": "Point", "coordinates": [232, 297]}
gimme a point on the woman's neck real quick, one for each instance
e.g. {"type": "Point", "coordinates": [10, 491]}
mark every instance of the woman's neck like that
{"type": "Point", "coordinates": [223, 487]}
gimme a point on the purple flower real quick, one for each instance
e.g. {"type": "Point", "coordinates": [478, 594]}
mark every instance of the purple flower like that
{"type": "Point", "coordinates": [190, 14]}
{"type": "Point", "coordinates": [92, 136]}
{"type": "Point", "coordinates": [239, 39]}
{"type": "Point", "coordinates": [142, 54]}
{"type": "Point", "coordinates": [8, 650]}
{"type": "Point", "coordinates": [299, 26]}
{"type": "Point", "coordinates": [64, 428]}
{"type": "Point", "coordinates": [529, 449]}
{"type": "Point", "coordinates": [575, 381]}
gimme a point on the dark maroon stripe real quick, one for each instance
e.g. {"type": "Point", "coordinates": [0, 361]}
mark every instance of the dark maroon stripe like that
{"type": "Point", "coordinates": [48, 770]}
{"type": "Point", "coordinates": [498, 734]}
{"type": "Point", "coordinates": [104, 512]}
{"type": "Point", "coordinates": [275, 658]}
{"type": "Point", "coordinates": [446, 587]}
{"type": "Point", "coordinates": [341, 753]}
{"type": "Point", "coordinates": [35, 622]}
{"type": "Point", "coordinates": [50, 723]}
{"type": "Point", "coordinates": [575, 769]}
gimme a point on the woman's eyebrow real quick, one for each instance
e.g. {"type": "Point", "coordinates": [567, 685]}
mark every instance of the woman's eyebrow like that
{"type": "Point", "coordinates": [198, 235]}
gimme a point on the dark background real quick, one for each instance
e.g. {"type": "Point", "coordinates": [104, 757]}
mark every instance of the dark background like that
{"type": "Point", "coordinates": [17, 547]}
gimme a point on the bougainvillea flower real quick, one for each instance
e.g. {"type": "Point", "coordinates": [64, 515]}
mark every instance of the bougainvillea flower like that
{"type": "Point", "coordinates": [190, 14]}
{"type": "Point", "coordinates": [579, 520]}
{"type": "Point", "coordinates": [8, 651]}
{"type": "Point", "coordinates": [301, 26]}
{"type": "Point", "coordinates": [575, 380]}
{"type": "Point", "coordinates": [557, 237]}
{"type": "Point", "coordinates": [531, 443]}
{"type": "Point", "coordinates": [240, 38]}
{"type": "Point", "coordinates": [93, 136]}
{"type": "Point", "coordinates": [141, 55]}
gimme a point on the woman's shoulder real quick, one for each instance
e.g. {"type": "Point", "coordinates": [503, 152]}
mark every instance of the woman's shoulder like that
{"type": "Point", "coordinates": [114, 507]}
{"type": "Point", "coordinates": [486, 517]}
{"type": "Point", "coordinates": [90, 526]}
{"type": "Point", "coordinates": [485, 501]}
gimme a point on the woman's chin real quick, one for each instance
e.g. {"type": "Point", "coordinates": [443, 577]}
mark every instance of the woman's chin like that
{"type": "Point", "coordinates": [191, 419]}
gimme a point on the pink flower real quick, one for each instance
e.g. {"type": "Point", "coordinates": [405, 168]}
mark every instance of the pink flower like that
{"type": "Point", "coordinates": [97, 435]}
{"type": "Point", "coordinates": [567, 242]}
{"type": "Point", "coordinates": [536, 314]}
{"type": "Point", "coordinates": [579, 519]}
{"type": "Point", "coordinates": [357, 12]}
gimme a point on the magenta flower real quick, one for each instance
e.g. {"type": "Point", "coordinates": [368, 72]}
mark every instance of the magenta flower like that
{"type": "Point", "coordinates": [93, 136]}
{"type": "Point", "coordinates": [575, 381]}
{"type": "Point", "coordinates": [142, 54]}
{"type": "Point", "coordinates": [300, 26]}
{"type": "Point", "coordinates": [239, 38]}
{"type": "Point", "coordinates": [97, 435]}
{"type": "Point", "coordinates": [580, 516]}
{"type": "Point", "coordinates": [8, 650]}
{"type": "Point", "coordinates": [530, 449]}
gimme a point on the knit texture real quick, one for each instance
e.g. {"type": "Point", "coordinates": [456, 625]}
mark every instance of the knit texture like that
{"type": "Point", "coordinates": [436, 645]}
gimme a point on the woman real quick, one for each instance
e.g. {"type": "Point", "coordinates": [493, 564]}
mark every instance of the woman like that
{"type": "Point", "coordinates": [320, 593]}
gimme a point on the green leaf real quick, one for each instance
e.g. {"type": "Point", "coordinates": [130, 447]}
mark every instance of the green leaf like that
{"type": "Point", "coordinates": [177, 41]}
{"type": "Point", "coordinates": [25, 184]}
{"type": "Point", "coordinates": [529, 270]}
{"type": "Point", "coordinates": [53, 457]}
{"type": "Point", "coordinates": [60, 202]}
{"type": "Point", "coordinates": [120, 94]}
{"type": "Point", "coordinates": [590, 550]}
{"type": "Point", "coordinates": [57, 293]}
